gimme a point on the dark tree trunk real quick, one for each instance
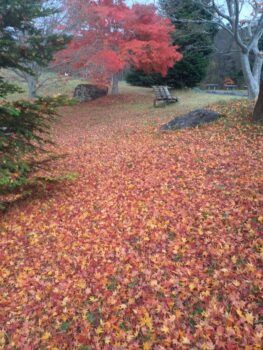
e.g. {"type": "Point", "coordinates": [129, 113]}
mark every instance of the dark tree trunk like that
{"type": "Point", "coordinates": [258, 110]}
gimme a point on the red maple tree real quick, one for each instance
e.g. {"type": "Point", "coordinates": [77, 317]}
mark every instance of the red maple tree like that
{"type": "Point", "coordinates": [108, 36]}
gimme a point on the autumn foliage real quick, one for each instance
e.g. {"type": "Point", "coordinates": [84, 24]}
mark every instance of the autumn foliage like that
{"type": "Point", "coordinates": [156, 245]}
{"type": "Point", "coordinates": [109, 36]}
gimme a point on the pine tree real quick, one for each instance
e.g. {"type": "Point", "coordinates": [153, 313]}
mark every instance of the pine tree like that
{"type": "Point", "coordinates": [26, 44]}
{"type": "Point", "coordinates": [24, 126]}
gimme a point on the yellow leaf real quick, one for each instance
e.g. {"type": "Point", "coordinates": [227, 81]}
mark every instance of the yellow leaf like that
{"type": "Point", "coordinates": [172, 318]}
{"type": "Point", "coordinates": [192, 286]}
{"type": "Point", "coordinates": [2, 339]}
{"type": "Point", "coordinates": [131, 186]}
{"type": "Point", "coordinates": [239, 312]}
{"type": "Point", "coordinates": [151, 223]}
{"type": "Point", "coordinates": [236, 283]}
{"type": "Point", "coordinates": [206, 293]}
{"type": "Point", "coordinates": [99, 330]}
{"type": "Point", "coordinates": [208, 346]}
{"type": "Point", "coordinates": [154, 283]}
{"type": "Point", "coordinates": [84, 216]}
{"type": "Point", "coordinates": [46, 336]}
{"type": "Point", "coordinates": [65, 301]}
{"type": "Point", "coordinates": [38, 296]}
{"type": "Point", "coordinates": [249, 318]}
{"type": "Point", "coordinates": [165, 329]}
{"type": "Point", "coordinates": [92, 299]}
{"type": "Point", "coordinates": [234, 259]}
{"type": "Point", "coordinates": [178, 313]}
{"type": "Point", "coordinates": [147, 345]}
{"type": "Point", "coordinates": [260, 218]}
{"type": "Point", "coordinates": [176, 248]}
{"type": "Point", "coordinates": [146, 320]}
{"type": "Point", "coordinates": [107, 340]}
{"type": "Point", "coordinates": [185, 341]}
{"type": "Point", "coordinates": [200, 231]}
{"type": "Point", "coordinates": [82, 284]}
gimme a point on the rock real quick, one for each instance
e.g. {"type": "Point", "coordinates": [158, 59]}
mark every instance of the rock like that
{"type": "Point", "coordinates": [89, 92]}
{"type": "Point", "coordinates": [192, 119]}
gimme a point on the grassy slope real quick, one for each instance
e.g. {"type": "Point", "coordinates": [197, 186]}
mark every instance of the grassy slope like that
{"type": "Point", "coordinates": [57, 85]}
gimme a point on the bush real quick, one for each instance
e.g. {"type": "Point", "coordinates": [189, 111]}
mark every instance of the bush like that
{"type": "Point", "coordinates": [185, 74]}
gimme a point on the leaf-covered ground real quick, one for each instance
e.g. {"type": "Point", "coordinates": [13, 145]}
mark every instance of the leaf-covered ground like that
{"type": "Point", "coordinates": [156, 245]}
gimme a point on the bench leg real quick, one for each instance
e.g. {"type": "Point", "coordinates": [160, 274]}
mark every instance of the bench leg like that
{"type": "Point", "coordinates": [157, 105]}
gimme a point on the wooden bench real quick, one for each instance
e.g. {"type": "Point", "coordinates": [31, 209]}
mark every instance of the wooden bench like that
{"type": "Point", "coordinates": [230, 87]}
{"type": "Point", "coordinates": [162, 94]}
{"type": "Point", "coordinates": [211, 86]}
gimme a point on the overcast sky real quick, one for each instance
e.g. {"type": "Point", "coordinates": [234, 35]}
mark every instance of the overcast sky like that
{"type": "Point", "coordinates": [245, 13]}
{"type": "Point", "coordinates": [140, 1]}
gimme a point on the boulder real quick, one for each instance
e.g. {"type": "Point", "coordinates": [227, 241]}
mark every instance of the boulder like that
{"type": "Point", "coordinates": [192, 119]}
{"type": "Point", "coordinates": [89, 92]}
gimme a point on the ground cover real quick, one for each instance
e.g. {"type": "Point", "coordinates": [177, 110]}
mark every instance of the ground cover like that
{"type": "Point", "coordinates": [155, 245]}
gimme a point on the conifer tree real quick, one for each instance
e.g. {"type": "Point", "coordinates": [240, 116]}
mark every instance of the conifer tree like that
{"type": "Point", "coordinates": [25, 44]}
{"type": "Point", "coordinates": [24, 126]}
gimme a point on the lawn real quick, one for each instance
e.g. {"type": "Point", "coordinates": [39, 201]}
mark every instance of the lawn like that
{"type": "Point", "coordinates": [156, 244]}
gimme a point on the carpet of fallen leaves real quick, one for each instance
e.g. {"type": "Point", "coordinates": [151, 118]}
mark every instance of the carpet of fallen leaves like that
{"type": "Point", "coordinates": [156, 245]}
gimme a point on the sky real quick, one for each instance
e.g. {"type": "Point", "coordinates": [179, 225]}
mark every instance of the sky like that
{"type": "Point", "coordinates": [130, 2]}
{"type": "Point", "coordinates": [245, 13]}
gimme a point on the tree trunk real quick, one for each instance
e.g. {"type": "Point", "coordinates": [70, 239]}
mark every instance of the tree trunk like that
{"type": "Point", "coordinates": [32, 85]}
{"type": "Point", "coordinates": [257, 67]}
{"type": "Point", "coordinates": [258, 110]}
{"type": "Point", "coordinates": [251, 81]}
{"type": "Point", "coordinates": [115, 84]}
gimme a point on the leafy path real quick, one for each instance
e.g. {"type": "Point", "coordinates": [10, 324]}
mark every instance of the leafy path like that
{"type": "Point", "coordinates": [156, 245]}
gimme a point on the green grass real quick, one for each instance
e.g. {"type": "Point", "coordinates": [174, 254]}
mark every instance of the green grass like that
{"type": "Point", "coordinates": [188, 101]}
{"type": "Point", "coordinates": [54, 85]}
{"type": "Point", "coordinates": [188, 98]}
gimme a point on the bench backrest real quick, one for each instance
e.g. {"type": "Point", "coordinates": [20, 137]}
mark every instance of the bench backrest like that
{"type": "Point", "coordinates": [167, 92]}
{"type": "Point", "coordinates": [162, 92]}
{"type": "Point", "coordinates": [157, 92]}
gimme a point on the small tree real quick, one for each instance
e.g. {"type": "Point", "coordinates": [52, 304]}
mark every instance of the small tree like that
{"type": "Point", "coordinates": [109, 36]}
{"type": "Point", "coordinates": [24, 130]}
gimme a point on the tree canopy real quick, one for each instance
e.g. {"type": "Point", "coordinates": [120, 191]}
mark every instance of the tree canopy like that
{"type": "Point", "coordinates": [18, 17]}
{"type": "Point", "coordinates": [109, 36]}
